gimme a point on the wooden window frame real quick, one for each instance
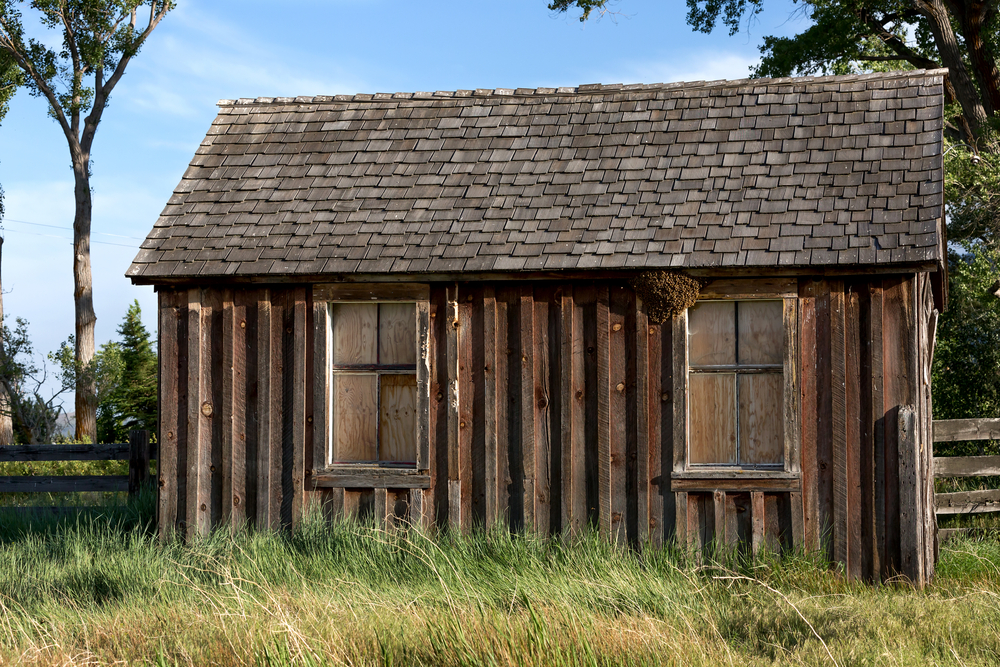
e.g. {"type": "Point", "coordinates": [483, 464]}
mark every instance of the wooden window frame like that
{"type": "Point", "coordinates": [786, 476]}
{"type": "Point", "coordinates": [328, 474]}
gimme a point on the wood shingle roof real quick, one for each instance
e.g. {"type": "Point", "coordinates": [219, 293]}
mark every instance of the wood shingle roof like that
{"type": "Point", "coordinates": [753, 173]}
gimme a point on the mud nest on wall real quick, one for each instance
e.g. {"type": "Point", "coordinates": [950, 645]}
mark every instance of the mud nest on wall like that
{"type": "Point", "coordinates": [666, 294]}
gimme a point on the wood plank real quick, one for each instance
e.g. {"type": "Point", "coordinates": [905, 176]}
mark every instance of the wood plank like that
{"type": "Point", "coordinates": [421, 515]}
{"type": "Point", "coordinates": [526, 315]}
{"type": "Point", "coordinates": [791, 398]}
{"type": "Point", "coordinates": [466, 406]}
{"type": "Point", "coordinates": [712, 333]}
{"type": "Point", "coordinates": [897, 353]}
{"type": "Point", "coordinates": [567, 417]}
{"type": "Point", "coordinates": [761, 327]}
{"type": "Point", "coordinates": [371, 477]}
{"type": "Point", "coordinates": [909, 544]}
{"type": "Point", "coordinates": [381, 508]}
{"type": "Point", "coordinates": [968, 502]}
{"type": "Point", "coordinates": [355, 332]}
{"type": "Point", "coordinates": [506, 405]}
{"type": "Point", "coordinates": [424, 429]}
{"type": "Point", "coordinates": [397, 333]}
{"type": "Point", "coordinates": [755, 288]}
{"type": "Point", "coordinates": [321, 386]}
{"type": "Point", "coordinates": [138, 460]}
{"type": "Point", "coordinates": [878, 431]}
{"type": "Point", "coordinates": [299, 405]}
{"type": "Point", "coordinates": [489, 419]}
{"type": "Point", "coordinates": [196, 512]}
{"type": "Point", "coordinates": [354, 417]}
{"type": "Point", "coordinates": [809, 416]}
{"type": "Point", "coordinates": [761, 418]}
{"type": "Point", "coordinates": [854, 416]}
{"type": "Point", "coordinates": [679, 394]}
{"type": "Point", "coordinates": [333, 504]}
{"type": "Point", "coordinates": [263, 408]}
{"type": "Point", "coordinates": [73, 452]}
{"type": "Point", "coordinates": [838, 366]}
{"type": "Point", "coordinates": [719, 503]}
{"type": "Point", "coordinates": [603, 391]}
{"type": "Point", "coordinates": [168, 336]}
{"type": "Point", "coordinates": [451, 361]}
{"type": "Point", "coordinates": [226, 419]}
{"type": "Point", "coordinates": [541, 402]}
{"type": "Point", "coordinates": [64, 483]}
{"type": "Point", "coordinates": [824, 415]}
{"type": "Point", "coordinates": [395, 291]}
{"type": "Point", "coordinates": [656, 403]}
{"type": "Point", "coordinates": [398, 419]}
{"type": "Point", "coordinates": [621, 419]}
{"type": "Point", "coordinates": [640, 371]}
{"type": "Point", "coordinates": [682, 527]}
{"type": "Point", "coordinates": [712, 425]}
{"type": "Point", "coordinates": [579, 416]}
{"type": "Point", "coordinates": [733, 485]}
{"type": "Point", "coordinates": [478, 372]}
{"type": "Point", "coordinates": [279, 310]}
{"type": "Point", "coordinates": [757, 514]}
{"type": "Point", "coordinates": [955, 466]}
{"type": "Point", "coordinates": [866, 428]}
{"type": "Point", "coordinates": [437, 462]}
{"type": "Point", "coordinates": [956, 430]}
{"type": "Point", "coordinates": [797, 528]}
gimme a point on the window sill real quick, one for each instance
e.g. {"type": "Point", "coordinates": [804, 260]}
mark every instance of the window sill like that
{"type": "Point", "coordinates": [370, 476]}
{"type": "Point", "coordinates": [735, 480]}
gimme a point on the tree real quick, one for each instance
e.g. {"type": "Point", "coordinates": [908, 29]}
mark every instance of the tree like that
{"type": "Point", "coordinates": [132, 403]}
{"type": "Point", "coordinates": [34, 417]}
{"type": "Point", "coordinates": [99, 39]}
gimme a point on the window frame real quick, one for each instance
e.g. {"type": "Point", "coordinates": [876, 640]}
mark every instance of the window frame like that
{"type": "Point", "coordinates": [777, 476]}
{"type": "Point", "coordinates": [346, 474]}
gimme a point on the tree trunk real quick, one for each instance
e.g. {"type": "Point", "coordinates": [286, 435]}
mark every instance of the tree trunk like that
{"type": "Point", "coordinates": [83, 297]}
{"type": "Point", "coordinates": [6, 421]}
{"type": "Point", "coordinates": [951, 57]}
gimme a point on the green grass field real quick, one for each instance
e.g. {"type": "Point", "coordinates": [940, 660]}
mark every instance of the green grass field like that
{"type": "Point", "coordinates": [99, 589]}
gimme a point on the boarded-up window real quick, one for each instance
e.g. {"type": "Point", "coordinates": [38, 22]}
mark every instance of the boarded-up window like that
{"type": "Point", "coordinates": [373, 417]}
{"type": "Point", "coordinates": [736, 384]}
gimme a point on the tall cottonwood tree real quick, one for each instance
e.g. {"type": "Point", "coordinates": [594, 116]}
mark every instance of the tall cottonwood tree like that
{"type": "Point", "coordinates": [99, 39]}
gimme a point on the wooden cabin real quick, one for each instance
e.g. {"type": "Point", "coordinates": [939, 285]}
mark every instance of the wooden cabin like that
{"type": "Point", "coordinates": [423, 306]}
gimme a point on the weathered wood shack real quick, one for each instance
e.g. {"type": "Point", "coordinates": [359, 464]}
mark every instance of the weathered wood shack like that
{"type": "Point", "coordinates": [422, 305]}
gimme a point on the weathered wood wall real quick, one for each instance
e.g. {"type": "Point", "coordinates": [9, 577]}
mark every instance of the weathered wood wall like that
{"type": "Point", "coordinates": [565, 418]}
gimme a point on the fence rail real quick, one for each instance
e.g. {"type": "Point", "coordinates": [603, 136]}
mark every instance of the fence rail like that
{"type": "Point", "coordinates": [138, 451]}
{"type": "Point", "coordinates": [965, 502]}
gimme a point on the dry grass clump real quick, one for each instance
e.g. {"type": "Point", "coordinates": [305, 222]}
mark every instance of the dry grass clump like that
{"type": "Point", "coordinates": [666, 294]}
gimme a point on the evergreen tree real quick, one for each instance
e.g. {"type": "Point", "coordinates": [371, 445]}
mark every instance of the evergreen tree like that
{"type": "Point", "coordinates": [131, 402]}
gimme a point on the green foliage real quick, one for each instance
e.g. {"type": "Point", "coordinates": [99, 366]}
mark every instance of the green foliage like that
{"type": "Point", "coordinates": [97, 35]}
{"type": "Point", "coordinates": [132, 403]}
{"type": "Point", "coordinates": [34, 417]}
{"type": "Point", "coordinates": [125, 375]}
{"type": "Point", "coordinates": [966, 373]}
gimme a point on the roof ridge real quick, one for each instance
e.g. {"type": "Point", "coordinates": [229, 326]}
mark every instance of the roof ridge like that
{"type": "Point", "coordinates": [583, 89]}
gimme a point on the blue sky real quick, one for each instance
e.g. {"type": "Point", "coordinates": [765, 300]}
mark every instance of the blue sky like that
{"type": "Point", "coordinates": [206, 51]}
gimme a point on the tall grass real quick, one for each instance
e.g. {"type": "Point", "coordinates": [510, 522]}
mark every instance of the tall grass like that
{"type": "Point", "coordinates": [99, 589]}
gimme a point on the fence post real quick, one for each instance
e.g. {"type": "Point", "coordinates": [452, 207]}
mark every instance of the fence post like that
{"type": "Point", "coordinates": [138, 460]}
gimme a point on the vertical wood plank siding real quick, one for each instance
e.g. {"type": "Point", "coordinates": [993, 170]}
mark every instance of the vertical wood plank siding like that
{"type": "Point", "coordinates": [551, 407]}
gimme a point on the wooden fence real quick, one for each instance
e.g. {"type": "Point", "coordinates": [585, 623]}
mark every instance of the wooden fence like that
{"type": "Point", "coordinates": [966, 502]}
{"type": "Point", "coordinates": [138, 451]}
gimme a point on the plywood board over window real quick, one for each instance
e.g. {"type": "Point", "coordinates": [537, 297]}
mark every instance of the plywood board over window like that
{"type": "Point", "coordinates": [740, 383]}
{"type": "Point", "coordinates": [376, 377]}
